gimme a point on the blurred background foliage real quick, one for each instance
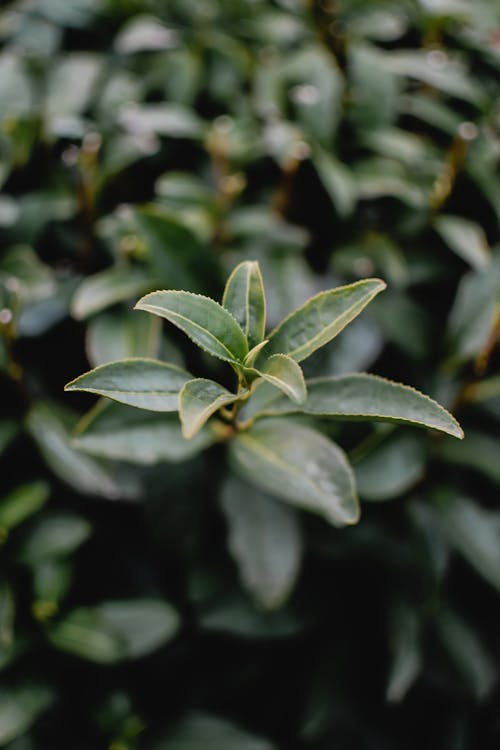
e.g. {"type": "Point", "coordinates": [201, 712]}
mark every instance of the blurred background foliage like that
{"type": "Point", "coordinates": [145, 602]}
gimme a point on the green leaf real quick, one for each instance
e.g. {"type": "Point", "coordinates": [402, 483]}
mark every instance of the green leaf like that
{"type": "Point", "coordinates": [321, 318]}
{"type": "Point", "coordinates": [144, 383]}
{"type": "Point", "coordinates": [362, 396]}
{"type": "Point", "coordinates": [20, 707]}
{"type": "Point", "coordinates": [200, 732]}
{"type": "Point", "coordinates": [198, 400]}
{"type": "Point", "coordinates": [254, 353]}
{"type": "Point", "coordinates": [392, 468]}
{"type": "Point", "coordinates": [338, 181]}
{"type": "Point", "coordinates": [473, 315]}
{"type": "Point", "coordinates": [7, 614]}
{"type": "Point", "coordinates": [244, 299]}
{"type": "Point", "coordinates": [474, 532]}
{"type": "Point", "coordinates": [466, 238]}
{"type": "Point", "coordinates": [121, 334]}
{"type": "Point", "coordinates": [116, 630]}
{"type": "Point", "coordinates": [284, 373]}
{"type": "Point", "coordinates": [298, 465]}
{"type": "Point", "coordinates": [478, 451]}
{"type": "Point", "coordinates": [52, 580]}
{"type": "Point", "coordinates": [8, 431]}
{"type": "Point", "coordinates": [107, 288]}
{"type": "Point", "coordinates": [21, 503]}
{"type": "Point", "coordinates": [122, 433]}
{"type": "Point", "coordinates": [264, 539]}
{"type": "Point", "coordinates": [236, 615]}
{"type": "Point", "coordinates": [51, 428]}
{"type": "Point", "coordinates": [468, 653]}
{"type": "Point", "coordinates": [55, 536]}
{"type": "Point", "coordinates": [406, 656]}
{"type": "Point", "coordinates": [164, 118]}
{"type": "Point", "coordinates": [207, 323]}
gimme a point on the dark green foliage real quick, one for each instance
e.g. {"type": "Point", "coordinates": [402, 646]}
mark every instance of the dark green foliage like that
{"type": "Point", "coordinates": [153, 594]}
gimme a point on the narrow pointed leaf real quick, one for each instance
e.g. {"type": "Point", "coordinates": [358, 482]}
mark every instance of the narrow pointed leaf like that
{"type": "Point", "coordinates": [144, 383]}
{"type": "Point", "coordinates": [208, 324]}
{"type": "Point", "coordinates": [474, 532]}
{"type": "Point", "coordinates": [406, 652]}
{"type": "Point", "coordinates": [284, 373]}
{"type": "Point", "coordinates": [254, 353]}
{"type": "Point", "coordinates": [468, 653]}
{"type": "Point", "coordinates": [116, 630]}
{"type": "Point", "coordinates": [245, 300]}
{"type": "Point", "coordinates": [298, 465]}
{"type": "Point", "coordinates": [361, 396]}
{"type": "Point", "coordinates": [321, 318]}
{"type": "Point", "coordinates": [198, 400]}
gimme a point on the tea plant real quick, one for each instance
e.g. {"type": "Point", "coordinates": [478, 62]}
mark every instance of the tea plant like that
{"type": "Point", "coordinates": [268, 446]}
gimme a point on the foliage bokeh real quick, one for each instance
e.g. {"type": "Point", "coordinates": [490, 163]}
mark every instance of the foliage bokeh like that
{"type": "Point", "coordinates": [149, 145]}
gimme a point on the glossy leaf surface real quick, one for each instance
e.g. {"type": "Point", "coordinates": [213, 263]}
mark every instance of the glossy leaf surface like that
{"type": "Point", "coordinates": [364, 396]}
{"type": "Point", "coordinates": [198, 400]}
{"type": "Point", "coordinates": [144, 383]}
{"type": "Point", "coordinates": [298, 465]}
{"type": "Point", "coordinates": [244, 299]}
{"type": "Point", "coordinates": [284, 373]}
{"type": "Point", "coordinates": [321, 318]}
{"type": "Point", "coordinates": [207, 323]}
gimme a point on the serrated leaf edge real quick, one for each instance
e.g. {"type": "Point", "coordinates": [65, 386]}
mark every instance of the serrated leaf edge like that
{"type": "Point", "coordinates": [140, 306]}
{"type": "Point", "coordinates": [381, 286]}
{"type": "Point", "coordinates": [362, 375]}
{"type": "Point", "coordinates": [211, 409]}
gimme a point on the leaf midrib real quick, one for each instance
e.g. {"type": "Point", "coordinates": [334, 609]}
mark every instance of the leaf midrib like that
{"type": "Point", "coordinates": [233, 357]}
{"type": "Point", "coordinates": [274, 459]}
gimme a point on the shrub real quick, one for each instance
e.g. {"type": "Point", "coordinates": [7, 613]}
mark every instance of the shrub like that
{"type": "Point", "coordinates": [155, 590]}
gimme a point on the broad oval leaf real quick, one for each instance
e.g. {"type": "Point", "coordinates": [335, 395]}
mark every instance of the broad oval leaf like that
{"type": "Point", "coordinates": [107, 288]}
{"type": "Point", "coordinates": [198, 400]}
{"type": "Point", "coordinates": [55, 536]}
{"type": "Point", "coordinates": [21, 503]}
{"type": "Point", "coordinates": [362, 396]}
{"type": "Point", "coordinates": [51, 428]}
{"type": "Point", "coordinates": [117, 630]}
{"type": "Point", "coordinates": [284, 373]}
{"type": "Point", "coordinates": [199, 731]}
{"type": "Point", "coordinates": [118, 432]}
{"type": "Point", "coordinates": [321, 318]}
{"type": "Point", "coordinates": [244, 299]}
{"type": "Point", "coordinates": [20, 707]}
{"type": "Point", "coordinates": [208, 324]}
{"type": "Point", "coordinates": [264, 539]}
{"type": "Point", "coordinates": [299, 465]}
{"type": "Point", "coordinates": [144, 383]}
{"type": "Point", "coordinates": [122, 334]}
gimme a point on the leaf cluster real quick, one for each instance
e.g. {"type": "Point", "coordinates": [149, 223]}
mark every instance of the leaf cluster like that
{"type": "Point", "coordinates": [171, 582]}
